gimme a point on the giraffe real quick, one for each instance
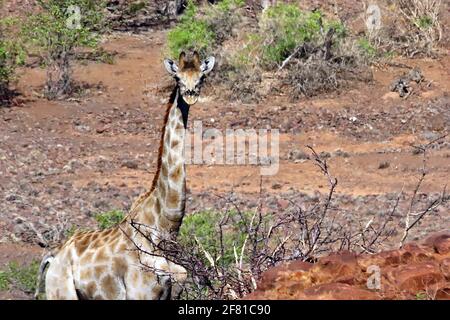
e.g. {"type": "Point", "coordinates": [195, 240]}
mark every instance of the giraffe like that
{"type": "Point", "coordinates": [105, 264]}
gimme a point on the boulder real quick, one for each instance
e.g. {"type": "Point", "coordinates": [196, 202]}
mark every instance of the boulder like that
{"type": "Point", "coordinates": [416, 271]}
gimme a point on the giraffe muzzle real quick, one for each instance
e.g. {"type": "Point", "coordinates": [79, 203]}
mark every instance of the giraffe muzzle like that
{"type": "Point", "coordinates": [190, 97]}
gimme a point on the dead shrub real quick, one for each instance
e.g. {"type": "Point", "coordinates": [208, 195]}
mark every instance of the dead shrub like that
{"type": "Point", "coordinates": [410, 27]}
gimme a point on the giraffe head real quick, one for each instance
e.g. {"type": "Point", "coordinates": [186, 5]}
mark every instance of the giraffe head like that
{"type": "Point", "coordinates": [189, 74]}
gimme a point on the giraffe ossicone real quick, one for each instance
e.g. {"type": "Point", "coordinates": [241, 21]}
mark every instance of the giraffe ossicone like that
{"type": "Point", "coordinates": [105, 264]}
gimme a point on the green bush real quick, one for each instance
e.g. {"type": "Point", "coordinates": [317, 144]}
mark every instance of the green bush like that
{"type": "Point", "coordinates": [190, 34]}
{"type": "Point", "coordinates": [51, 28]}
{"type": "Point", "coordinates": [285, 27]}
{"type": "Point", "coordinates": [11, 54]}
{"type": "Point", "coordinates": [367, 48]}
{"type": "Point", "coordinates": [23, 278]}
{"type": "Point", "coordinates": [204, 31]}
{"type": "Point", "coordinates": [109, 219]}
{"type": "Point", "coordinates": [54, 32]}
{"type": "Point", "coordinates": [4, 283]}
{"type": "Point", "coordinates": [204, 226]}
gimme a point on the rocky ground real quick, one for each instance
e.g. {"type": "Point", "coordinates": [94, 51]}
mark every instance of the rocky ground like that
{"type": "Point", "coordinates": [62, 162]}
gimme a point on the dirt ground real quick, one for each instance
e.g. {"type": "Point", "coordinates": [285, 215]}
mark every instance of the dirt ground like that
{"type": "Point", "coordinates": [67, 160]}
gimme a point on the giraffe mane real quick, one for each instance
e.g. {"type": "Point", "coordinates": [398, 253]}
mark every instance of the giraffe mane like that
{"type": "Point", "coordinates": [143, 196]}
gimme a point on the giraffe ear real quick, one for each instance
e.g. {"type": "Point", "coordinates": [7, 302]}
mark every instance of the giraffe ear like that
{"type": "Point", "coordinates": [207, 65]}
{"type": "Point", "coordinates": [171, 66]}
{"type": "Point", "coordinates": [196, 59]}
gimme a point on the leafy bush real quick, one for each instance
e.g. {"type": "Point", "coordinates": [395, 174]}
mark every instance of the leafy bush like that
{"type": "Point", "coordinates": [204, 32]}
{"type": "Point", "coordinates": [190, 34]}
{"type": "Point", "coordinates": [284, 27]}
{"type": "Point", "coordinates": [4, 283]}
{"type": "Point", "coordinates": [11, 55]}
{"type": "Point", "coordinates": [204, 227]}
{"type": "Point", "coordinates": [23, 278]}
{"type": "Point", "coordinates": [367, 48]}
{"type": "Point", "coordinates": [109, 219]}
{"type": "Point", "coordinates": [54, 32]}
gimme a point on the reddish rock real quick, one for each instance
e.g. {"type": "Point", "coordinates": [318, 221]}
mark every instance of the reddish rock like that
{"type": "Point", "coordinates": [270, 277]}
{"type": "Point", "coordinates": [416, 277]}
{"type": "Point", "coordinates": [440, 242]}
{"type": "Point", "coordinates": [445, 268]}
{"type": "Point", "coordinates": [443, 292]}
{"type": "Point", "coordinates": [339, 291]}
{"type": "Point", "coordinates": [416, 270]}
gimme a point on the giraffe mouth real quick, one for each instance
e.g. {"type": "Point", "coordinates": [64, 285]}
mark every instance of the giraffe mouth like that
{"type": "Point", "coordinates": [190, 99]}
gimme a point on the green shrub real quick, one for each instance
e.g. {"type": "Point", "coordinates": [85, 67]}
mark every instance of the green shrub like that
{"type": "Point", "coordinates": [109, 219]}
{"type": "Point", "coordinates": [53, 33]}
{"type": "Point", "coordinates": [204, 226]}
{"type": "Point", "coordinates": [23, 278]}
{"type": "Point", "coordinates": [4, 283]}
{"type": "Point", "coordinates": [367, 48]}
{"type": "Point", "coordinates": [285, 27]}
{"type": "Point", "coordinates": [204, 31]}
{"type": "Point", "coordinates": [11, 54]}
{"type": "Point", "coordinates": [190, 34]}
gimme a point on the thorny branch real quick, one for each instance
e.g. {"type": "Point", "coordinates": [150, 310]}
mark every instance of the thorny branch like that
{"type": "Point", "coordinates": [271, 237]}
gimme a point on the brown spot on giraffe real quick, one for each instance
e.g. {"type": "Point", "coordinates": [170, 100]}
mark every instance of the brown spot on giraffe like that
{"type": "Point", "coordinates": [179, 126]}
{"type": "Point", "coordinates": [162, 189]}
{"type": "Point", "coordinates": [99, 271]}
{"type": "Point", "coordinates": [149, 219]}
{"type": "Point", "coordinates": [157, 291]}
{"type": "Point", "coordinates": [101, 255]}
{"type": "Point", "coordinates": [119, 266]}
{"type": "Point", "coordinates": [171, 159]}
{"type": "Point", "coordinates": [122, 247]}
{"type": "Point", "coordinates": [91, 288]}
{"type": "Point", "coordinates": [173, 198]}
{"type": "Point", "coordinates": [175, 175]}
{"type": "Point", "coordinates": [164, 170]}
{"type": "Point", "coordinates": [86, 258]}
{"type": "Point", "coordinates": [157, 206]}
{"type": "Point", "coordinates": [86, 273]}
{"type": "Point", "coordinates": [174, 143]}
{"type": "Point", "coordinates": [81, 246]}
{"type": "Point", "coordinates": [164, 223]}
{"type": "Point", "coordinates": [110, 287]}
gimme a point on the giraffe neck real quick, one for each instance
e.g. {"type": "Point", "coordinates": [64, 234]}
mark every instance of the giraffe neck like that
{"type": "Point", "coordinates": [163, 207]}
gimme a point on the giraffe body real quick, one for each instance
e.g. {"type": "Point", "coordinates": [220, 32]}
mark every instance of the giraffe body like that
{"type": "Point", "coordinates": [122, 262]}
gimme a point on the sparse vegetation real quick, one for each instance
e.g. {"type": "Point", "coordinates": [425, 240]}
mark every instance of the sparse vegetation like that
{"type": "Point", "coordinates": [411, 28]}
{"type": "Point", "coordinates": [285, 27]}
{"type": "Point", "coordinates": [206, 31]}
{"type": "Point", "coordinates": [11, 55]}
{"type": "Point", "coordinates": [21, 277]}
{"type": "Point", "coordinates": [54, 33]}
{"type": "Point", "coordinates": [203, 227]}
{"type": "Point", "coordinates": [109, 219]}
